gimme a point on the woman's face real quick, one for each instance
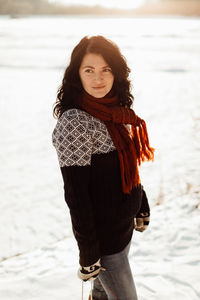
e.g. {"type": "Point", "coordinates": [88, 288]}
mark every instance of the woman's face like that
{"type": "Point", "coordinates": [96, 75]}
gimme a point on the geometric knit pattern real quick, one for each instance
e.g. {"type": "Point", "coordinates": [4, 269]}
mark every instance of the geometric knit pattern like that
{"type": "Point", "coordinates": [77, 136]}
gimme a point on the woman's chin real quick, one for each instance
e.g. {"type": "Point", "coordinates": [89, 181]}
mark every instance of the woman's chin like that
{"type": "Point", "coordinates": [98, 94]}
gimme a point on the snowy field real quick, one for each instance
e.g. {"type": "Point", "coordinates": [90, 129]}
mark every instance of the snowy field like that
{"type": "Point", "coordinates": [38, 253]}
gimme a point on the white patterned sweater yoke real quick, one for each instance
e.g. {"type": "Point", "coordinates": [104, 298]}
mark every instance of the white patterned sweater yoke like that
{"type": "Point", "coordinates": [78, 135]}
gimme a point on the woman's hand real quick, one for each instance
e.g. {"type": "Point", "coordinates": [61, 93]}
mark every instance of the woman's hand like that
{"type": "Point", "coordinates": [141, 222]}
{"type": "Point", "coordinates": [91, 272]}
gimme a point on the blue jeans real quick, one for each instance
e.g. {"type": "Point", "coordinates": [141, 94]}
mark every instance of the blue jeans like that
{"type": "Point", "coordinates": [116, 283]}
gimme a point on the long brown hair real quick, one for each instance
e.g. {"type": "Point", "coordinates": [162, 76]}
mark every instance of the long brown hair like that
{"type": "Point", "coordinates": [71, 86]}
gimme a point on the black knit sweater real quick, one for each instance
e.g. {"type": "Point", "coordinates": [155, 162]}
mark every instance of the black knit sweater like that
{"type": "Point", "coordinates": [102, 215]}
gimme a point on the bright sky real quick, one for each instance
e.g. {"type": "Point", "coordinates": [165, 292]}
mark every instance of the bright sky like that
{"type": "Point", "coordinates": [107, 3]}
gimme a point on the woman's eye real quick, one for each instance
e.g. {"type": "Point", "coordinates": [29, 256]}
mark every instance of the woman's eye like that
{"type": "Point", "coordinates": [88, 71]}
{"type": "Point", "coordinates": [107, 70]}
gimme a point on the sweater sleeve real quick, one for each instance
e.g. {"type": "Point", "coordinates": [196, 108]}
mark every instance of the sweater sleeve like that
{"type": "Point", "coordinates": [73, 144]}
{"type": "Point", "coordinates": [144, 205]}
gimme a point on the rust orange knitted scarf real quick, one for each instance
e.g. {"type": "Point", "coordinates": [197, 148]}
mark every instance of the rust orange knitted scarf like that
{"type": "Point", "coordinates": [132, 146]}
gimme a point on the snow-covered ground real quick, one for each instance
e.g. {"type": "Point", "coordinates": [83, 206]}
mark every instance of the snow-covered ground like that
{"type": "Point", "coordinates": [38, 253]}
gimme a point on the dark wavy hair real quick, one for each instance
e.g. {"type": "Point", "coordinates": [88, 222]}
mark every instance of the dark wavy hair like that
{"type": "Point", "coordinates": [71, 86]}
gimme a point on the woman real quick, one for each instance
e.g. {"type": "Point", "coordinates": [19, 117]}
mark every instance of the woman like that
{"type": "Point", "coordinates": [100, 142]}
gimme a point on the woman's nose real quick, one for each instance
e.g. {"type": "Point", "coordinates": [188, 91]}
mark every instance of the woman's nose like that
{"type": "Point", "coordinates": [98, 77]}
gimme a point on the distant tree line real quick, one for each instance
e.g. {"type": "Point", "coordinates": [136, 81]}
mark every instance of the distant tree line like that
{"type": "Point", "coordinates": [22, 6]}
{"type": "Point", "coordinates": [44, 7]}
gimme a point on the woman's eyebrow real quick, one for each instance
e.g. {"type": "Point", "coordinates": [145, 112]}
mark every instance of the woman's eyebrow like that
{"type": "Point", "coordinates": [88, 67]}
{"type": "Point", "coordinates": [94, 67]}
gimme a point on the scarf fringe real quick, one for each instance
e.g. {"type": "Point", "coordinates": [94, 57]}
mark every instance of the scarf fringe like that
{"type": "Point", "coordinates": [140, 136]}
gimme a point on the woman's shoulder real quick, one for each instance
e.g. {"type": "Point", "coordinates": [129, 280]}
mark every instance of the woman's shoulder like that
{"type": "Point", "coordinates": [76, 117]}
{"type": "Point", "coordinates": [79, 122]}
{"type": "Point", "coordinates": [71, 135]}
{"type": "Point", "coordinates": [72, 118]}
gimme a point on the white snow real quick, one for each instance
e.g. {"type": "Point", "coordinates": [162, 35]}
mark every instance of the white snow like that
{"type": "Point", "coordinates": [38, 253]}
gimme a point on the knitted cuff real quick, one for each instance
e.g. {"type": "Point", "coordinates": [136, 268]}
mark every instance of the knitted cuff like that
{"type": "Point", "coordinates": [141, 224]}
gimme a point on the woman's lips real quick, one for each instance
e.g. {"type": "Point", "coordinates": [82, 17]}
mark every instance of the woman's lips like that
{"type": "Point", "coordinates": [98, 87]}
